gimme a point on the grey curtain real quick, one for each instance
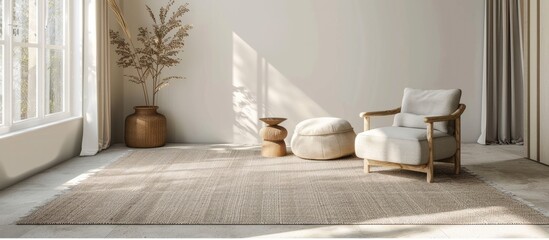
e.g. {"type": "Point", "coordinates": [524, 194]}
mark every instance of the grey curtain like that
{"type": "Point", "coordinates": [503, 81]}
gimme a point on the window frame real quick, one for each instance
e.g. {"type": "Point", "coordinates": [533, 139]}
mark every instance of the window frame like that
{"type": "Point", "coordinates": [8, 124]}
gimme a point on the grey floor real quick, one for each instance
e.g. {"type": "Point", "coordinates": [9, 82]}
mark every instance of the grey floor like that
{"type": "Point", "coordinates": [501, 165]}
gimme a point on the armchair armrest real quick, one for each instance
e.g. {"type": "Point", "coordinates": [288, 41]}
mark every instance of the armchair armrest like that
{"type": "Point", "coordinates": [367, 115]}
{"type": "Point", "coordinates": [380, 113]}
{"type": "Point", "coordinates": [455, 115]}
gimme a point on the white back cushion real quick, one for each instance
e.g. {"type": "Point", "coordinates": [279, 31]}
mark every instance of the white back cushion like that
{"type": "Point", "coordinates": [417, 104]}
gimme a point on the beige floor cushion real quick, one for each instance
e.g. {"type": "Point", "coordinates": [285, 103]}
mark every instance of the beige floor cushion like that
{"type": "Point", "coordinates": [403, 145]}
{"type": "Point", "coordinates": [323, 139]}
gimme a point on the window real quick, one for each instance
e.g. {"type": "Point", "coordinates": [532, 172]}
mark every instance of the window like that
{"type": "Point", "coordinates": [34, 55]}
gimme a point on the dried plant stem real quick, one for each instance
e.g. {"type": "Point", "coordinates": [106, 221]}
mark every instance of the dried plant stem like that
{"type": "Point", "coordinates": [161, 44]}
{"type": "Point", "coordinates": [141, 74]}
{"type": "Point", "coordinates": [155, 80]}
{"type": "Point", "coordinates": [156, 84]}
{"type": "Point", "coordinates": [144, 87]}
{"type": "Point", "coordinates": [113, 4]}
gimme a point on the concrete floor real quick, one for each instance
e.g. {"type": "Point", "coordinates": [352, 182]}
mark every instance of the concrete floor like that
{"type": "Point", "coordinates": [502, 165]}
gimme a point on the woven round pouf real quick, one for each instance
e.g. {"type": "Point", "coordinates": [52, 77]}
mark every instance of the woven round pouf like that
{"type": "Point", "coordinates": [273, 138]}
{"type": "Point", "coordinates": [323, 139]}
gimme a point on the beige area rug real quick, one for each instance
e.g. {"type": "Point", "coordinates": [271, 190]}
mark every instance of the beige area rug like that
{"type": "Point", "coordinates": [220, 186]}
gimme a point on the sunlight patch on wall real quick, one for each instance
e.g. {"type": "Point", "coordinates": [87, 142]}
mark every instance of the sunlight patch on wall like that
{"type": "Point", "coordinates": [288, 99]}
{"type": "Point", "coordinates": [261, 90]}
{"type": "Point", "coordinates": [245, 103]}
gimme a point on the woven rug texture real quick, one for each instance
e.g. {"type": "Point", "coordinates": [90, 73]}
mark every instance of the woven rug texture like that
{"type": "Point", "coordinates": [227, 186]}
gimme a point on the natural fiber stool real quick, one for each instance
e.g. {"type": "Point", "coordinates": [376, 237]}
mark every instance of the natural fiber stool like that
{"type": "Point", "coordinates": [273, 138]}
{"type": "Point", "coordinates": [323, 139]}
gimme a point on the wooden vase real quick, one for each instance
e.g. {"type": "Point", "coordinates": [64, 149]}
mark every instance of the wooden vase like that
{"type": "Point", "coordinates": [145, 128]}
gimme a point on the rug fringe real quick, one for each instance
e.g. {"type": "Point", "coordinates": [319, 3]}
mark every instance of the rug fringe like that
{"type": "Point", "coordinates": [61, 192]}
{"type": "Point", "coordinates": [508, 193]}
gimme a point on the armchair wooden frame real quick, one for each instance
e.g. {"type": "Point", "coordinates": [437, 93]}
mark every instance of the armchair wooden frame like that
{"type": "Point", "coordinates": [429, 121]}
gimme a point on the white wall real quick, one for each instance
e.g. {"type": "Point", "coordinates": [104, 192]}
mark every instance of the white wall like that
{"type": "Point", "coordinates": [117, 90]}
{"type": "Point", "coordinates": [26, 153]}
{"type": "Point", "coordinates": [309, 58]}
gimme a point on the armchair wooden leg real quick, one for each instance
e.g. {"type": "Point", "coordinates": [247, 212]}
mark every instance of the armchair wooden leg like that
{"type": "Point", "coordinates": [430, 166]}
{"type": "Point", "coordinates": [457, 162]}
{"type": "Point", "coordinates": [430, 173]}
{"type": "Point", "coordinates": [366, 166]}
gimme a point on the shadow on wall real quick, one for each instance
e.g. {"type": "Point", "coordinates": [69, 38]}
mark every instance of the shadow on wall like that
{"type": "Point", "coordinates": [260, 90]}
{"type": "Point", "coordinates": [245, 126]}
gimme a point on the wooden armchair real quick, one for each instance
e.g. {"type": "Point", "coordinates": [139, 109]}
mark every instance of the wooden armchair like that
{"type": "Point", "coordinates": [409, 146]}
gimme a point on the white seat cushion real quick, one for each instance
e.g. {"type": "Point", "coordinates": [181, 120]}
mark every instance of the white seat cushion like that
{"type": "Point", "coordinates": [403, 145]}
{"type": "Point", "coordinates": [323, 138]}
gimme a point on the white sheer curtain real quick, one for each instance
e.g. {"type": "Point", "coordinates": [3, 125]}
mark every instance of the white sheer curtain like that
{"type": "Point", "coordinates": [96, 86]}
